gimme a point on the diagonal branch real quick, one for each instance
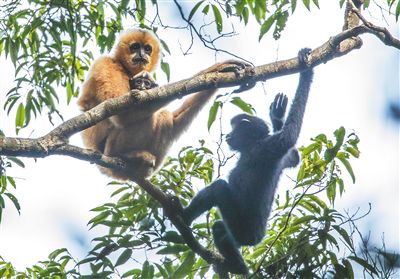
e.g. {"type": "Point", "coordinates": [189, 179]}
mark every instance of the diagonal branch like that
{"type": "Point", "coordinates": [56, 141]}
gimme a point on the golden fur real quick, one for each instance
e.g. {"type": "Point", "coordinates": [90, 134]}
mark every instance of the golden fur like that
{"type": "Point", "coordinates": [142, 135]}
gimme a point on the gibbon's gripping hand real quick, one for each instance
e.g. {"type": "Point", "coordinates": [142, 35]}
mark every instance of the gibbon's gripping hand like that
{"type": "Point", "coordinates": [234, 66]}
{"type": "Point", "coordinates": [303, 55]}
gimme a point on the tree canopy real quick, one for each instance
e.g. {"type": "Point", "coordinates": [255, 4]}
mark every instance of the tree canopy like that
{"type": "Point", "coordinates": [52, 44]}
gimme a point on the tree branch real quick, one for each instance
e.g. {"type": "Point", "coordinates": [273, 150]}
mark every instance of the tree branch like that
{"type": "Point", "coordinates": [56, 141]}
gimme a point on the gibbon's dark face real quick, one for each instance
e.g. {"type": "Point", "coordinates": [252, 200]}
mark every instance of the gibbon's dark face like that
{"type": "Point", "coordinates": [246, 131]}
{"type": "Point", "coordinates": [141, 83]}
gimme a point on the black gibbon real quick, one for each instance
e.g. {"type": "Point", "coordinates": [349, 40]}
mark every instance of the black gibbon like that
{"type": "Point", "coordinates": [141, 135]}
{"type": "Point", "coordinates": [245, 200]}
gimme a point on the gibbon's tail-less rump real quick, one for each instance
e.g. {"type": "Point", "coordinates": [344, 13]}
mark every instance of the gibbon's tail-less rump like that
{"type": "Point", "coordinates": [140, 135]}
{"type": "Point", "coordinates": [245, 200]}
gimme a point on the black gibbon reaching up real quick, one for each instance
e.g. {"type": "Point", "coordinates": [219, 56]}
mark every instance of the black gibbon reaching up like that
{"type": "Point", "coordinates": [245, 200]}
{"type": "Point", "coordinates": [143, 134]}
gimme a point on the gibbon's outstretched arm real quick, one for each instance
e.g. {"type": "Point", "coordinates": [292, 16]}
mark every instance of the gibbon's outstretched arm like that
{"type": "Point", "coordinates": [183, 116]}
{"type": "Point", "coordinates": [291, 128]}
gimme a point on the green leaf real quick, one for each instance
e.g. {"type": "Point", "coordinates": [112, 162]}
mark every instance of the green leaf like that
{"type": "Point", "coordinates": [173, 249]}
{"type": "Point", "coordinates": [349, 268]}
{"type": "Point", "coordinates": [166, 69]}
{"type": "Point", "coordinates": [218, 18]}
{"type": "Point", "coordinates": [301, 173]}
{"type": "Point", "coordinates": [20, 117]}
{"type": "Point", "coordinates": [162, 271]}
{"type": "Point", "coordinates": [195, 8]}
{"type": "Point", "coordinates": [330, 153]}
{"type": "Point", "coordinates": [173, 236]}
{"type": "Point", "coordinates": [397, 11]}
{"type": "Point", "coordinates": [17, 161]}
{"type": "Point", "coordinates": [246, 107]}
{"type": "Point", "coordinates": [266, 26]}
{"type": "Point", "coordinates": [245, 15]}
{"type": "Point", "coordinates": [147, 270]}
{"type": "Point", "coordinates": [213, 113]}
{"type": "Point", "coordinates": [132, 272]}
{"type": "Point", "coordinates": [304, 219]}
{"type": "Point", "coordinates": [56, 253]}
{"type": "Point", "coordinates": [348, 167]}
{"type": "Point", "coordinates": [343, 233]}
{"type": "Point", "coordinates": [331, 190]}
{"type": "Point", "coordinates": [124, 257]}
{"type": "Point", "coordinates": [206, 9]}
{"type": "Point", "coordinates": [186, 267]}
{"type": "Point", "coordinates": [316, 3]}
{"type": "Point", "coordinates": [293, 4]}
{"type": "Point", "coordinates": [14, 52]}
{"type": "Point", "coordinates": [353, 151]}
{"type": "Point", "coordinates": [280, 24]}
{"type": "Point", "coordinates": [165, 46]}
{"type": "Point", "coordinates": [14, 201]}
{"type": "Point", "coordinates": [307, 4]}
{"type": "Point", "coordinates": [363, 263]}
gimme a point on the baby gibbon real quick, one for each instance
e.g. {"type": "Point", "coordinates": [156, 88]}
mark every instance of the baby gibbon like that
{"type": "Point", "coordinates": [140, 135]}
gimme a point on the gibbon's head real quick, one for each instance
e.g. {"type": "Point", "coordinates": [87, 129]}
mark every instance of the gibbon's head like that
{"type": "Point", "coordinates": [138, 50]}
{"type": "Point", "coordinates": [246, 131]}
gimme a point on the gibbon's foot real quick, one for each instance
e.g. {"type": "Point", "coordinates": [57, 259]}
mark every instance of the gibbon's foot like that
{"type": "Point", "coordinates": [303, 56]}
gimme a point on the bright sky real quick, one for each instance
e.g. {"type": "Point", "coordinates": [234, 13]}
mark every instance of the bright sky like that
{"type": "Point", "coordinates": [56, 193]}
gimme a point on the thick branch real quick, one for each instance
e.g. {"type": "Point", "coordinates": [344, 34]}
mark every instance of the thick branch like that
{"type": "Point", "coordinates": [56, 142]}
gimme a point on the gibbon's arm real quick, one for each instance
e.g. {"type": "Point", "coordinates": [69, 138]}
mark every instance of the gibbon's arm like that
{"type": "Point", "coordinates": [291, 128]}
{"type": "Point", "coordinates": [183, 116]}
{"type": "Point", "coordinates": [277, 145]}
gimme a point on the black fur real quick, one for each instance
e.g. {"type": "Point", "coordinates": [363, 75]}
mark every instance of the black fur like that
{"type": "Point", "coordinates": [245, 200]}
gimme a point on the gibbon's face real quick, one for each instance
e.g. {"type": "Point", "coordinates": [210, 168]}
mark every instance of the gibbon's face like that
{"type": "Point", "coordinates": [138, 50]}
{"type": "Point", "coordinates": [246, 131]}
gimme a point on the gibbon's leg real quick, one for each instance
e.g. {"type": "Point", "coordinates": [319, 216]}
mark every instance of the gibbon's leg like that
{"type": "Point", "coordinates": [184, 115]}
{"type": "Point", "coordinates": [229, 249]}
{"type": "Point", "coordinates": [214, 195]}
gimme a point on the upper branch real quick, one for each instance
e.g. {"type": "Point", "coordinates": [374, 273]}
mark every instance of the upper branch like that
{"type": "Point", "coordinates": [56, 141]}
{"type": "Point", "coordinates": [336, 46]}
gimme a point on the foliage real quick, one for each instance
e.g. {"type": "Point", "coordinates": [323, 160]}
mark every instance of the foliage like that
{"type": "Point", "coordinates": [51, 45]}
{"type": "Point", "coordinates": [6, 181]}
{"type": "Point", "coordinates": [306, 236]}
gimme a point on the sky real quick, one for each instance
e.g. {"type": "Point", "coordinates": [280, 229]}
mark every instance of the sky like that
{"type": "Point", "coordinates": [56, 193]}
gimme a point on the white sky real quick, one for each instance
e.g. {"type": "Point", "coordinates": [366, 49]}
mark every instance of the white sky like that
{"type": "Point", "coordinates": [56, 193]}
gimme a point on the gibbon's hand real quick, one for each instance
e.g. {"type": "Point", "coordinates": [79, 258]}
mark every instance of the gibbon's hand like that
{"type": "Point", "coordinates": [234, 66]}
{"type": "Point", "coordinates": [278, 107]}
